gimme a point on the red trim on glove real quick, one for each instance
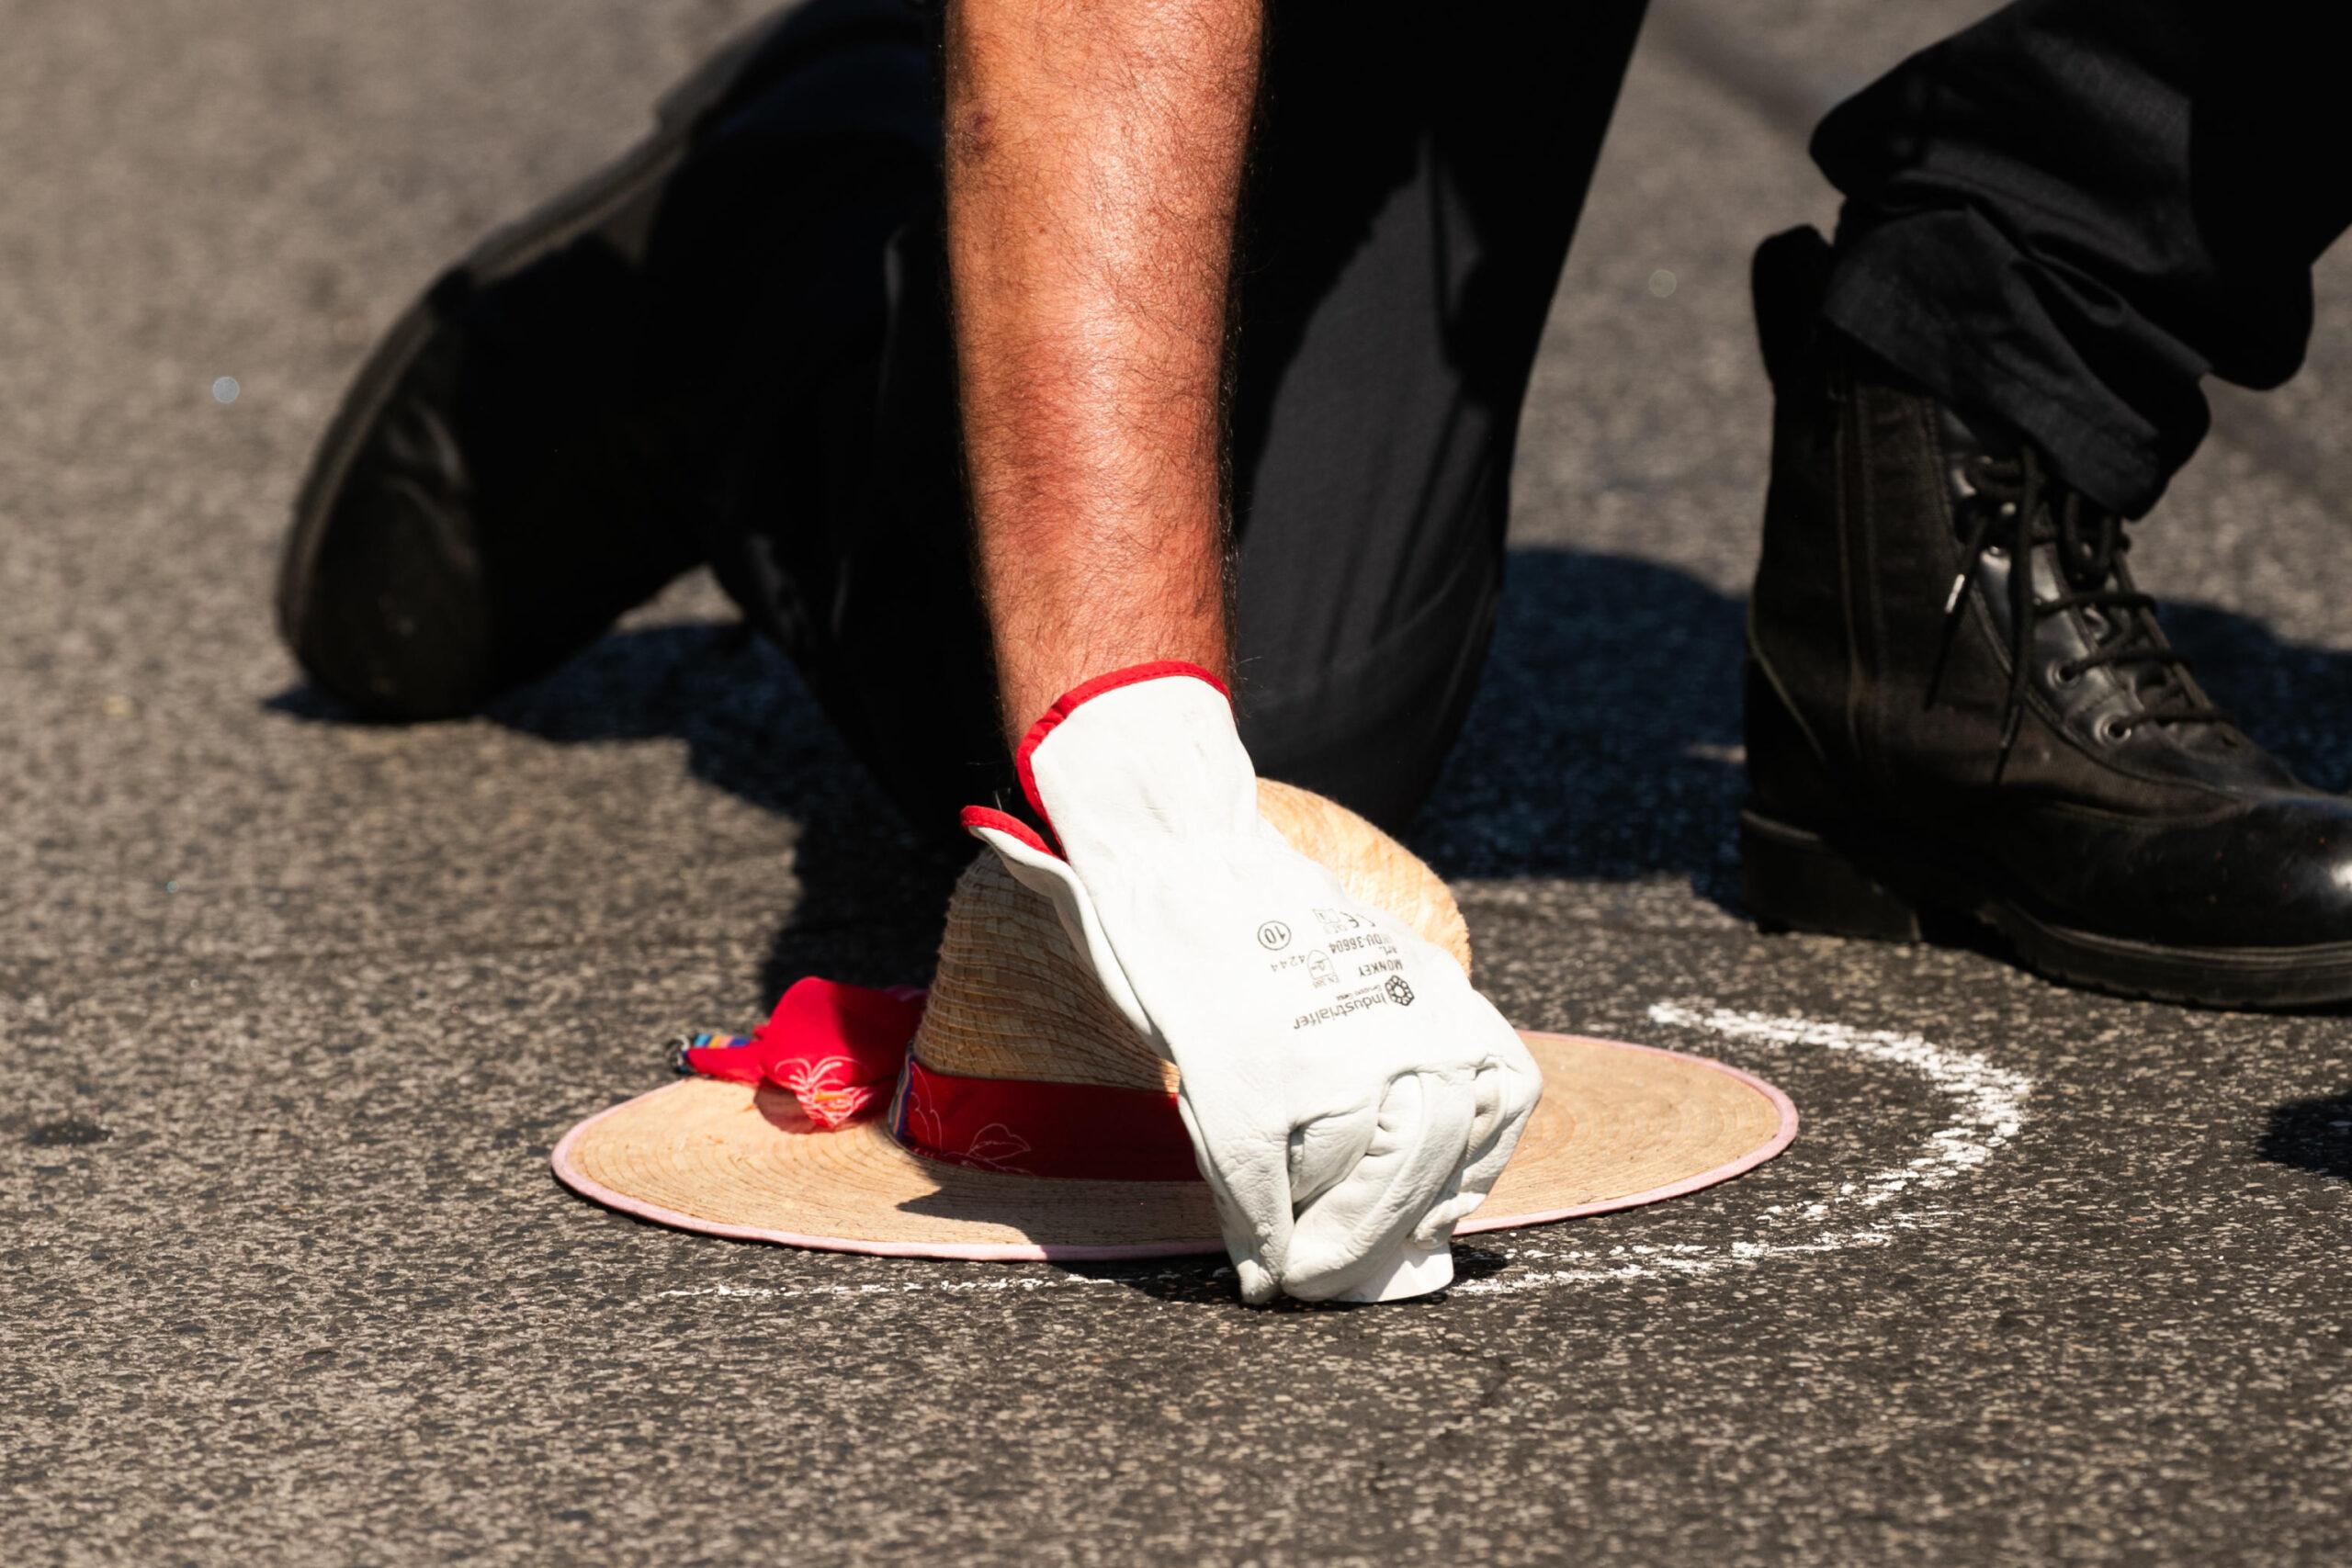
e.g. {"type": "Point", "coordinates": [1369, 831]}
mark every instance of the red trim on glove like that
{"type": "Point", "coordinates": [977, 816]}
{"type": "Point", "coordinates": [1086, 690]}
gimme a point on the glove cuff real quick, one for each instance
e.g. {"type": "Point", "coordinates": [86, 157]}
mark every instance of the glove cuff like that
{"type": "Point", "coordinates": [978, 818]}
{"type": "Point", "coordinates": [1068, 703]}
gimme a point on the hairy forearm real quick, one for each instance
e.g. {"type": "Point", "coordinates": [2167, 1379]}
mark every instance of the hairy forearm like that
{"type": "Point", "coordinates": [1095, 163]}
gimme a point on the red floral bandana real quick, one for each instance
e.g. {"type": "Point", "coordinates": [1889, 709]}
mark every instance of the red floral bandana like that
{"type": "Point", "coordinates": [838, 1050]}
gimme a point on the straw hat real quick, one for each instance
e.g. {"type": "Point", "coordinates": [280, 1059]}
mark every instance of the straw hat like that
{"type": "Point", "coordinates": [1012, 1020]}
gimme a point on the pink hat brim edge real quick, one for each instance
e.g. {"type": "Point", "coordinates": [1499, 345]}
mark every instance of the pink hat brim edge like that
{"type": "Point", "coordinates": [588, 1186]}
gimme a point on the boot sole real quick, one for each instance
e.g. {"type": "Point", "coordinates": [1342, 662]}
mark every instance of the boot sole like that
{"type": "Point", "coordinates": [1796, 879]}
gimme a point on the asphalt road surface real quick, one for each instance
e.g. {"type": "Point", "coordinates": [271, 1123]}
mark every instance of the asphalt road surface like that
{"type": "Point", "coordinates": [291, 1009]}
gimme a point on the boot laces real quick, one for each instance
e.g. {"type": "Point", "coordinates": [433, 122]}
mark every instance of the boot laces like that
{"type": "Point", "coordinates": [2023, 507]}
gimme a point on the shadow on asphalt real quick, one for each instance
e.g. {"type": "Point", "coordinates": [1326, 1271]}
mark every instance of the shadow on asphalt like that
{"type": "Point", "coordinates": [867, 894]}
{"type": "Point", "coordinates": [2311, 1135]}
{"type": "Point", "coordinates": [1209, 1282]}
{"type": "Point", "coordinates": [2292, 697]}
{"type": "Point", "coordinates": [1605, 747]}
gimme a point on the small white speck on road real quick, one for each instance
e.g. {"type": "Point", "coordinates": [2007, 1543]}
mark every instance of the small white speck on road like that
{"type": "Point", "coordinates": [225, 389]}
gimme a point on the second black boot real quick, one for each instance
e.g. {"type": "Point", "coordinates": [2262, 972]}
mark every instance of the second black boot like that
{"type": "Point", "coordinates": [1958, 705]}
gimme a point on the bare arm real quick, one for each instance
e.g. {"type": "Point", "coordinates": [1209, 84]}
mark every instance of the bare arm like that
{"type": "Point", "coordinates": [1096, 155]}
{"type": "Point", "coordinates": [1094, 161]}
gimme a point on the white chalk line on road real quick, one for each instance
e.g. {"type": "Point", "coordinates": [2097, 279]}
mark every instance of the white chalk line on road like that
{"type": "Point", "coordinates": [1989, 1102]}
{"type": "Point", "coordinates": [1988, 1109]}
{"type": "Point", "coordinates": [1013, 1282]}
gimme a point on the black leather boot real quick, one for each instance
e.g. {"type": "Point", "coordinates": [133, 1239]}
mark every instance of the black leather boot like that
{"type": "Point", "coordinates": [1958, 705]}
{"type": "Point", "coordinates": [552, 432]}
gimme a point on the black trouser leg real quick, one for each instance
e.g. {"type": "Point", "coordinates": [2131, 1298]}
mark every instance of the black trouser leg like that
{"type": "Point", "coordinates": [1415, 187]}
{"type": "Point", "coordinates": [2067, 215]}
{"type": "Point", "coordinates": [1418, 177]}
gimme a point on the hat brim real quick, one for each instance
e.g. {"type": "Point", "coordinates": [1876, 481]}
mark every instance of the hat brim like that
{"type": "Point", "coordinates": [1619, 1127]}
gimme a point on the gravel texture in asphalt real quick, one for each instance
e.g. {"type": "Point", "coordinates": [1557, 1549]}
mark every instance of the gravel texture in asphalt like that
{"type": "Point", "coordinates": [291, 1009]}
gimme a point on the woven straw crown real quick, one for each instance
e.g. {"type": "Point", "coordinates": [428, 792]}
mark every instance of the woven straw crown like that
{"type": "Point", "coordinates": [1012, 999]}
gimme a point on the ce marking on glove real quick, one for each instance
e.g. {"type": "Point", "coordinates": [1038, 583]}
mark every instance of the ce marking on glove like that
{"type": "Point", "coordinates": [1273, 936]}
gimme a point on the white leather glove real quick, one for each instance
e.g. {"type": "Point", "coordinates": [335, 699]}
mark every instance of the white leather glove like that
{"type": "Point", "coordinates": [1349, 1096]}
